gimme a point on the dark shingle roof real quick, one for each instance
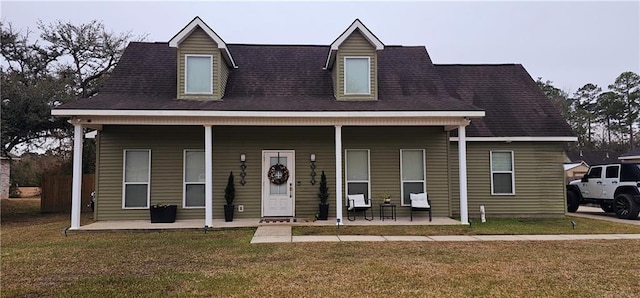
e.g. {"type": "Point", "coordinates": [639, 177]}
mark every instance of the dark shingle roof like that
{"type": "Point", "coordinates": [273, 78]}
{"type": "Point", "coordinates": [292, 78]}
{"type": "Point", "coordinates": [593, 157]}
{"type": "Point", "coordinates": [514, 104]}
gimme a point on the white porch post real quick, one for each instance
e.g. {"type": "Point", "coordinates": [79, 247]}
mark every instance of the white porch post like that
{"type": "Point", "coordinates": [208, 180]}
{"type": "Point", "coordinates": [76, 190]}
{"type": "Point", "coordinates": [462, 162]}
{"type": "Point", "coordinates": [338, 174]}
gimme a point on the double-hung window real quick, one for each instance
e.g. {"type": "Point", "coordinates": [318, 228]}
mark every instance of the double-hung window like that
{"type": "Point", "coordinates": [357, 75]}
{"type": "Point", "coordinates": [198, 74]}
{"type": "Point", "coordinates": [136, 180]}
{"type": "Point", "coordinates": [194, 179]}
{"type": "Point", "coordinates": [357, 168]}
{"type": "Point", "coordinates": [412, 163]}
{"type": "Point", "coordinates": [502, 174]}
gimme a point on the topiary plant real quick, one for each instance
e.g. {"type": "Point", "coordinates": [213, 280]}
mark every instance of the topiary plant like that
{"type": "Point", "coordinates": [230, 190]}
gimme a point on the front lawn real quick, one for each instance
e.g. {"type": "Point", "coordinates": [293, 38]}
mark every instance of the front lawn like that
{"type": "Point", "coordinates": [493, 226]}
{"type": "Point", "coordinates": [38, 260]}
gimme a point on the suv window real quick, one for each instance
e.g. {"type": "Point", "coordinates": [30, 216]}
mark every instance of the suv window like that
{"type": "Point", "coordinates": [612, 172]}
{"type": "Point", "coordinates": [630, 173]}
{"type": "Point", "coordinates": [595, 172]}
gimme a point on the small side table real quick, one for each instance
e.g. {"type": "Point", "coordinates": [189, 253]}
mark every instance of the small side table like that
{"type": "Point", "coordinates": [393, 211]}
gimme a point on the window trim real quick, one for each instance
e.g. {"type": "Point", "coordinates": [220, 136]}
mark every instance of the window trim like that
{"type": "Point", "coordinates": [184, 180]}
{"type": "Point", "coordinates": [186, 73]}
{"type": "Point", "coordinates": [424, 169]}
{"type": "Point", "coordinates": [124, 182]}
{"type": "Point", "coordinates": [512, 172]}
{"type": "Point", "coordinates": [344, 66]}
{"type": "Point", "coordinates": [346, 176]}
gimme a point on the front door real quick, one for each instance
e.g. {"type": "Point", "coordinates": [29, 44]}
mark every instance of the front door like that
{"type": "Point", "coordinates": [278, 189]}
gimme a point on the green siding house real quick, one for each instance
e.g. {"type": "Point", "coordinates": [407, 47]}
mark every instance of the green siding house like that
{"type": "Point", "coordinates": [175, 118]}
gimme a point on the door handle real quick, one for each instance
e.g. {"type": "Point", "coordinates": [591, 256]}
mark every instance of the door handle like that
{"type": "Point", "coordinates": [599, 182]}
{"type": "Point", "coordinates": [290, 190]}
{"type": "Point", "coordinates": [614, 182]}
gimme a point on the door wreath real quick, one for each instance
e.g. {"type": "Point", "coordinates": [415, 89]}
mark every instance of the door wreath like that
{"type": "Point", "coordinates": [278, 174]}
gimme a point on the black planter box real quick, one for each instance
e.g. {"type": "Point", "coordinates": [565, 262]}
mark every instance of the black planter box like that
{"type": "Point", "coordinates": [164, 214]}
{"type": "Point", "coordinates": [228, 212]}
{"type": "Point", "coordinates": [324, 211]}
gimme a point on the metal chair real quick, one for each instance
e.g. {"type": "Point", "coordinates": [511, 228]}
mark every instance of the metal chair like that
{"type": "Point", "coordinates": [419, 201]}
{"type": "Point", "coordinates": [358, 203]}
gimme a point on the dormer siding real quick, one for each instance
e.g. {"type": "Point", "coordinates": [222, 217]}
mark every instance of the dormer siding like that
{"type": "Point", "coordinates": [199, 43]}
{"type": "Point", "coordinates": [356, 45]}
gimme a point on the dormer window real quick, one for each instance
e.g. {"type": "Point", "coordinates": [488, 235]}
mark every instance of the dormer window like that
{"type": "Point", "coordinates": [203, 62]}
{"type": "Point", "coordinates": [357, 75]}
{"type": "Point", "coordinates": [198, 74]}
{"type": "Point", "coordinates": [353, 62]}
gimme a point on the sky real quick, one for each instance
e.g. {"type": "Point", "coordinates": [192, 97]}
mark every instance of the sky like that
{"type": "Point", "coordinates": [571, 43]}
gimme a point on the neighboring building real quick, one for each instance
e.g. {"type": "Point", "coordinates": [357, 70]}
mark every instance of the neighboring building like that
{"type": "Point", "coordinates": [591, 158]}
{"type": "Point", "coordinates": [575, 171]}
{"type": "Point", "coordinates": [631, 156]}
{"type": "Point", "coordinates": [175, 118]}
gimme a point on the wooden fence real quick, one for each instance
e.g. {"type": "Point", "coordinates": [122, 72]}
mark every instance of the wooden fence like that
{"type": "Point", "coordinates": [56, 193]}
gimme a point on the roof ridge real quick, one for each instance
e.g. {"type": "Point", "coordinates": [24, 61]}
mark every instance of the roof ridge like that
{"type": "Point", "coordinates": [276, 45]}
{"type": "Point", "coordinates": [478, 64]}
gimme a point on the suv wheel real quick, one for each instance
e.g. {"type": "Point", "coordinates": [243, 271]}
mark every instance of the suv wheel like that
{"type": "Point", "coordinates": [625, 207]}
{"type": "Point", "coordinates": [572, 202]}
{"type": "Point", "coordinates": [606, 207]}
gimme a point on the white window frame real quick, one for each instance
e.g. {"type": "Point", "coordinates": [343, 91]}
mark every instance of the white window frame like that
{"type": "Point", "coordinates": [512, 172]}
{"type": "Point", "coordinates": [184, 180]}
{"type": "Point", "coordinates": [424, 175]}
{"type": "Point", "coordinates": [346, 175]}
{"type": "Point", "coordinates": [186, 73]}
{"type": "Point", "coordinates": [368, 74]}
{"type": "Point", "coordinates": [125, 183]}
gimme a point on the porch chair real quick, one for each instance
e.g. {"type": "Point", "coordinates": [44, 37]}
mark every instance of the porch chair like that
{"type": "Point", "coordinates": [358, 203]}
{"type": "Point", "coordinates": [419, 201]}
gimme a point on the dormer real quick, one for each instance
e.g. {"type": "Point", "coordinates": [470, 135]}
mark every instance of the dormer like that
{"type": "Point", "coordinates": [353, 62]}
{"type": "Point", "coordinates": [203, 62]}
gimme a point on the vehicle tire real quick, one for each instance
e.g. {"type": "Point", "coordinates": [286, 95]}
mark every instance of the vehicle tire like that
{"type": "Point", "coordinates": [625, 207]}
{"type": "Point", "coordinates": [572, 202]}
{"type": "Point", "coordinates": [607, 207]}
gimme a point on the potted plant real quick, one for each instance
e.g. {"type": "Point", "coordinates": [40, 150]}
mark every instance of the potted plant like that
{"type": "Point", "coordinates": [229, 195]}
{"type": "Point", "coordinates": [323, 194]}
{"type": "Point", "coordinates": [386, 198]}
{"type": "Point", "coordinates": [163, 213]}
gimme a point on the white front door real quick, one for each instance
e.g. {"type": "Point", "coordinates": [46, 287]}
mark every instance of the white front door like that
{"type": "Point", "coordinates": [278, 199]}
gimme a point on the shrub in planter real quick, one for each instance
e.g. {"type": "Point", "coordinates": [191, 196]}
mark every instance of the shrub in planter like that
{"type": "Point", "coordinates": [229, 195]}
{"type": "Point", "coordinates": [323, 194]}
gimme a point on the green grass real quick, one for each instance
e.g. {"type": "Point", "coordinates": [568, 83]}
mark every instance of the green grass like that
{"type": "Point", "coordinates": [493, 226]}
{"type": "Point", "coordinates": [37, 260]}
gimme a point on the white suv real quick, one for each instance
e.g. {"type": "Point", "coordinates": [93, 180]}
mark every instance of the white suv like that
{"type": "Point", "coordinates": [613, 186]}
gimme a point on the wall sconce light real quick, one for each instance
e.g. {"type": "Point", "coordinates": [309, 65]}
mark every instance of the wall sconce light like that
{"type": "Point", "coordinates": [243, 167]}
{"type": "Point", "coordinates": [313, 169]}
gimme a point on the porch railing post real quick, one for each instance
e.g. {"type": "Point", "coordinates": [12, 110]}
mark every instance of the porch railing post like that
{"type": "Point", "coordinates": [462, 162]}
{"type": "Point", "coordinates": [208, 180]}
{"type": "Point", "coordinates": [338, 174]}
{"type": "Point", "coordinates": [76, 190]}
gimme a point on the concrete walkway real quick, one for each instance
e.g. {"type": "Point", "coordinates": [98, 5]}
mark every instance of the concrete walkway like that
{"type": "Point", "coordinates": [280, 234]}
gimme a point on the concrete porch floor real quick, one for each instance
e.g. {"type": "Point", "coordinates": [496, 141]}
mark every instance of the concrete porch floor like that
{"type": "Point", "coordinates": [141, 225]}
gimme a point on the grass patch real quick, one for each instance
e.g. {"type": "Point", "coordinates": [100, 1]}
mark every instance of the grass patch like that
{"type": "Point", "coordinates": [37, 260]}
{"type": "Point", "coordinates": [494, 226]}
